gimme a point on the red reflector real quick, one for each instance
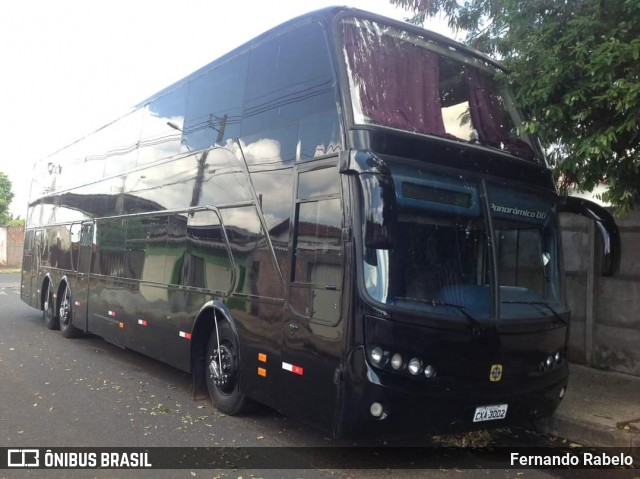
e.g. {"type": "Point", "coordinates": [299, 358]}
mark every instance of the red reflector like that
{"type": "Point", "coordinates": [142, 322]}
{"type": "Point", "coordinates": [293, 368]}
{"type": "Point", "coordinates": [112, 314]}
{"type": "Point", "coordinates": [185, 335]}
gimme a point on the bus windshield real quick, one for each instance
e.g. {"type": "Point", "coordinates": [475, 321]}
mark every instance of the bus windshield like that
{"type": "Point", "coordinates": [405, 81]}
{"type": "Point", "coordinates": [441, 258]}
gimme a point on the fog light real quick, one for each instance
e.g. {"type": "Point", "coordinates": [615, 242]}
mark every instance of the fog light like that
{"type": "Point", "coordinates": [429, 371]}
{"type": "Point", "coordinates": [558, 357]}
{"type": "Point", "coordinates": [415, 366]}
{"type": "Point", "coordinates": [562, 391]}
{"type": "Point", "coordinates": [396, 361]}
{"type": "Point", "coordinates": [376, 410]}
{"type": "Point", "coordinates": [549, 362]}
{"type": "Point", "coordinates": [377, 354]}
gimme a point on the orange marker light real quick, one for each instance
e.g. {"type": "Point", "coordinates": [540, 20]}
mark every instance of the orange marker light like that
{"type": "Point", "coordinates": [262, 372]}
{"type": "Point", "coordinates": [262, 357]}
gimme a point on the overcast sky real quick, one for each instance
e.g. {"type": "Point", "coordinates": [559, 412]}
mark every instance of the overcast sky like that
{"type": "Point", "coordinates": [70, 66]}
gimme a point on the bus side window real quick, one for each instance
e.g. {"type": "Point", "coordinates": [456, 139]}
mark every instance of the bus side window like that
{"type": "Point", "coordinates": [44, 247]}
{"type": "Point", "coordinates": [110, 249]}
{"type": "Point", "coordinates": [74, 234]}
{"type": "Point", "coordinates": [290, 108]}
{"type": "Point", "coordinates": [317, 274]}
{"type": "Point", "coordinates": [176, 245]}
{"type": "Point", "coordinates": [85, 247]}
{"type": "Point", "coordinates": [162, 127]}
{"type": "Point", "coordinates": [63, 241]}
{"type": "Point", "coordinates": [214, 105]}
{"type": "Point", "coordinates": [255, 270]}
{"type": "Point", "coordinates": [207, 263]}
{"type": "Point", "coordinates": [135, 247]}
{"type": "Point", "coordinates": [29, 250]}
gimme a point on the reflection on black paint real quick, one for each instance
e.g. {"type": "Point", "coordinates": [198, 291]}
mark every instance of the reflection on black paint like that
{"type": "Point", "coordinates": [214, 106]}
{"type": "Point", "coordinates": [291, 87]}
{"type": "Point", "coordinates": [110, 236]}
{"type": "Point", "coordinates": [286, 110]}
{"type": "Point", "coordinates": [158, 138]}
{"type": "Point", "coordinates": [249, 246]}
{"type": "Point", "coordinates": [320, 182]}
{"type": "Point", "coordinates": [318, 246]}
{"type": "Point", "coordinates": [318, 261]}
{"type": "Point", "coordinates": [207, 263]}
{"type": "Point", "coordinates": [224, 179]}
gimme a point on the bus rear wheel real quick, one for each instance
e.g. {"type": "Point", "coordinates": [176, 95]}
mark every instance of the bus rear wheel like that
{"type": "Point", "coordinates": [49, 310]}
{"type": "Point", "coordinates": [67, 328]}
{"type": "Point", "coordinates": [222, 371]}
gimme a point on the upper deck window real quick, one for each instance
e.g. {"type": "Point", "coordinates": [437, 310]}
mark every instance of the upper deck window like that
{"type": "Point", "coordinates": [401, 80]}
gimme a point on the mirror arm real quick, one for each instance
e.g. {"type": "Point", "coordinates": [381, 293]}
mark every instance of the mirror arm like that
{"type": "Point", "coordinates": [606, 225]}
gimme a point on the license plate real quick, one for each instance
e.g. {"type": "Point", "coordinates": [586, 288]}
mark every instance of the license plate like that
{"type": "Point", "coordinates": [490, 413]}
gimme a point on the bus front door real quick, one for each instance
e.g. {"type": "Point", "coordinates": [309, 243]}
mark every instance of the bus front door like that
{"type": "Point", "coordinates": [313, 327]}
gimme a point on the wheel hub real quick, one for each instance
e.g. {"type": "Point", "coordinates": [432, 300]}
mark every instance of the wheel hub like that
{"type": "Point", "coordinates": [221, 366]}
{"type": "Point", "coordinates": [64, 310]}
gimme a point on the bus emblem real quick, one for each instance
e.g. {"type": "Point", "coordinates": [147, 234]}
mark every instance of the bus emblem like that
{"type": "Point", "coordinates": [496, 373]}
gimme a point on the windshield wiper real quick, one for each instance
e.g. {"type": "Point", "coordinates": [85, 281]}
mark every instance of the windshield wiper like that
{"type": "Point", "coordinates": [540, 303]}
{"type": "Point", "coordinates": [474, 322]}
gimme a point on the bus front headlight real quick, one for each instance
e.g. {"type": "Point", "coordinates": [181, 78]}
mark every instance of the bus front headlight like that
{"type": "Point", "coordinates": [377, 355]}
{"type": "Point", "coordinates": [396, 361]}
{"type": "Point", "coordinates": [415, 366]}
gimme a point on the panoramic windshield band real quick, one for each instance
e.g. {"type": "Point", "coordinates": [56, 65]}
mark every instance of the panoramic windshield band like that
{"type": "Point", "coordinates": [436, 249]}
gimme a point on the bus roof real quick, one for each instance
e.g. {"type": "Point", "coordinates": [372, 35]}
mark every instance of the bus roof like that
{"type": "Point", "coordinates": [327, 14]}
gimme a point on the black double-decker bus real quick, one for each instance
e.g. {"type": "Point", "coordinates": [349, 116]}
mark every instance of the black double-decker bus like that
{"type": "Point", "coordinates": [337, 219]}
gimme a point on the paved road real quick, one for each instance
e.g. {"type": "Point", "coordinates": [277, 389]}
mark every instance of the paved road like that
{"type": "Point", "coordinates": [56, 392]}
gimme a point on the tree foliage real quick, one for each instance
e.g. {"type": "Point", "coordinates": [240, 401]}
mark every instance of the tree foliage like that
{"type": "Point", "coordinates": [6, 195]}
{"type": "Point", "coordinates": [575, 68]}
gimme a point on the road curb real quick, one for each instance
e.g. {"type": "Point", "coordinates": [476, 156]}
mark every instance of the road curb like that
{"type": "Point", "coordinates": [591, 434]}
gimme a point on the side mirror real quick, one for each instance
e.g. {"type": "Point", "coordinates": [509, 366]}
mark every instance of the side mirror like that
{"type": "Point", "coordinates": [380, 211]}
{"type": "Point", "coordinates": [611, 248]}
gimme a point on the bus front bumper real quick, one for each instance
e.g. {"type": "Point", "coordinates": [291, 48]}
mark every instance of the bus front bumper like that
{"type": "Point", "coordinates": [373, 407]}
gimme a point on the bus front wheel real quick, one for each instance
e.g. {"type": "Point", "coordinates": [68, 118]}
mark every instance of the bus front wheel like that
{"type": "Point", "coordinates": [222, 371]}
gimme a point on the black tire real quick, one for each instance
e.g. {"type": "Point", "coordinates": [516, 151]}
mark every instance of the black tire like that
{"type": "Point", "coordinates": [49, 310]}
{"type": "Point", "coordinates": [224, 391]}
{"type": "Point", "coordinates": [65, 316]}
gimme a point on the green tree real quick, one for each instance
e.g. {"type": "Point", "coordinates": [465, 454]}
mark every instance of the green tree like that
{"type": "Point", "coordinates": [575, 68]}
{"type": "Point", "coordinates": [6, 195]}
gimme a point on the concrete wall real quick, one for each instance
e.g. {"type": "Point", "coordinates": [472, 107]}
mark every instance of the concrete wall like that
{"type": "Point", "coordinates": [11, 244]}
{"type": "Point", "coordinates": [3, 245]}
{"type": "Point", "coordinates": [605, 323]}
